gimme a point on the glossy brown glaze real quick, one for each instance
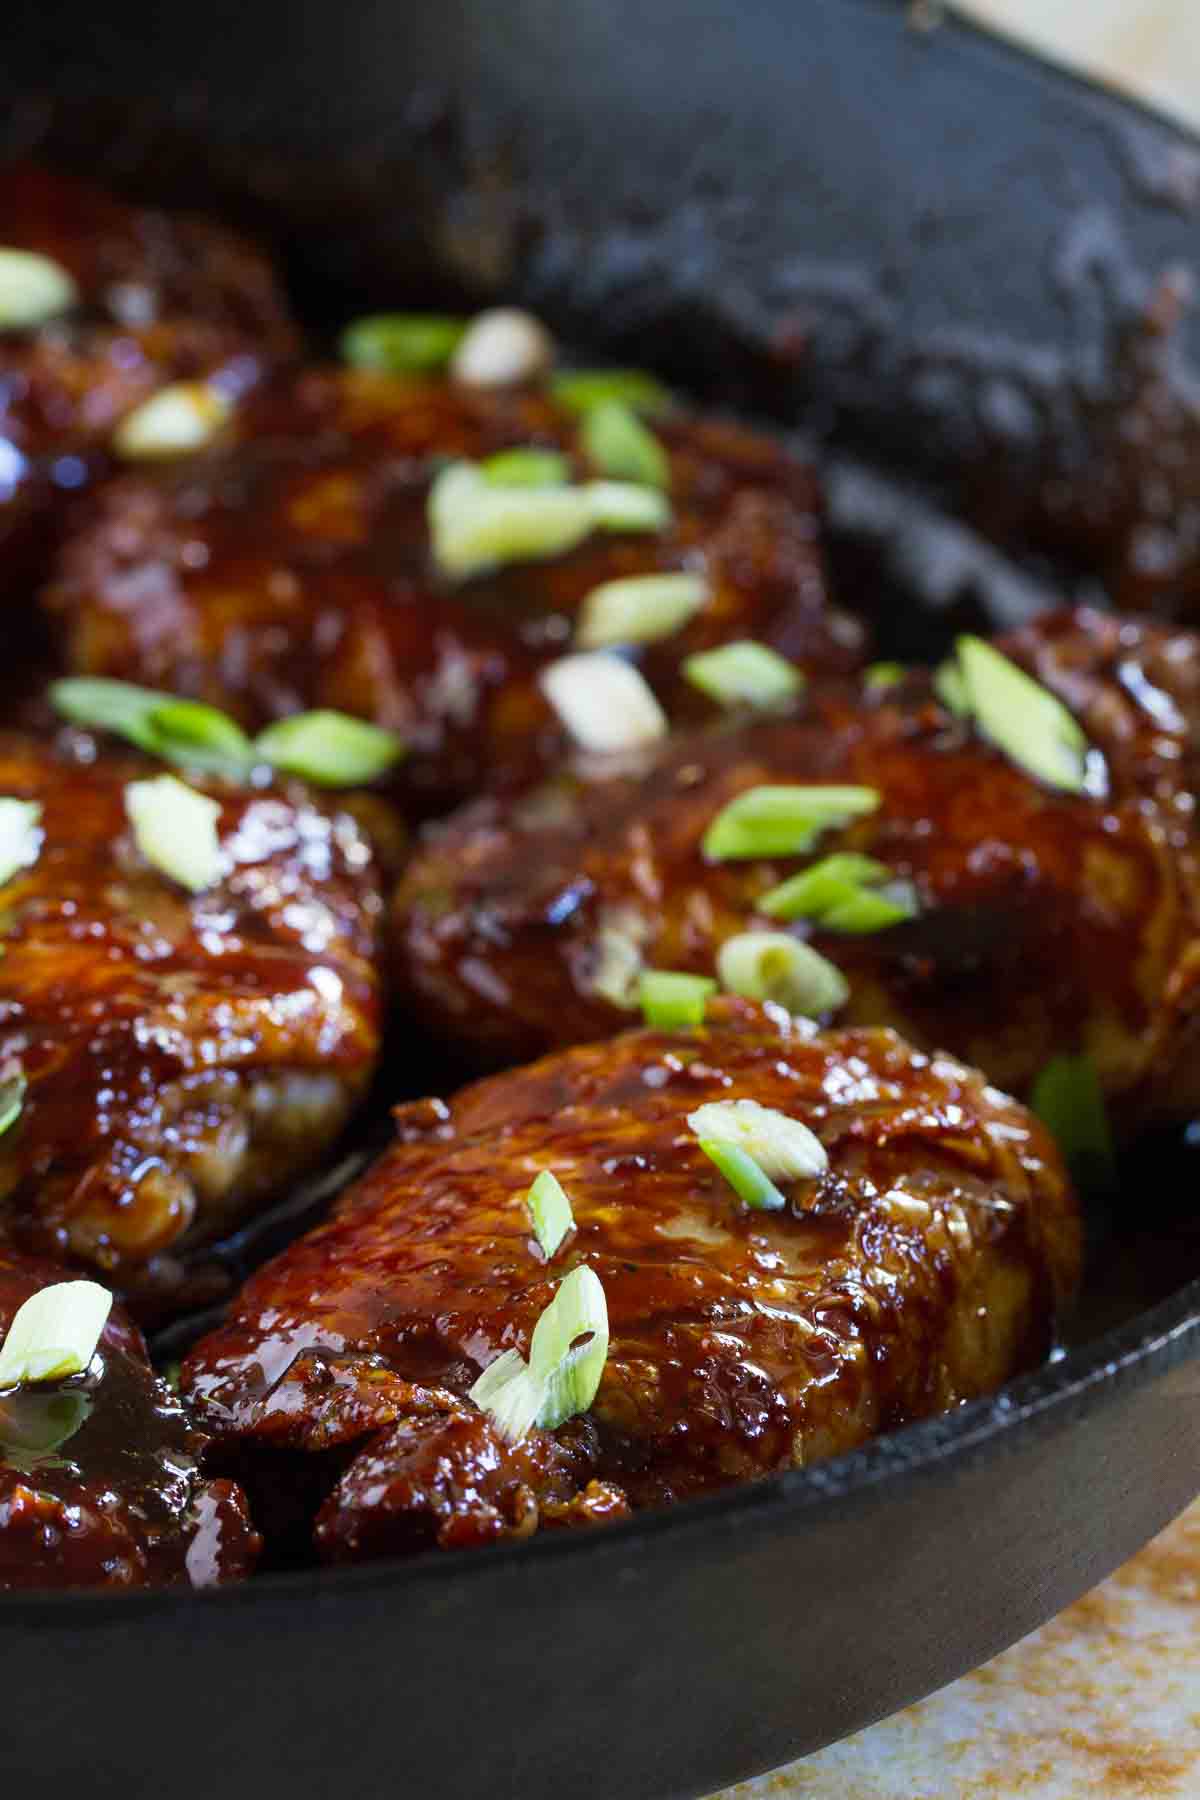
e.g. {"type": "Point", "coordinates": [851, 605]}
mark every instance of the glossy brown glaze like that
{"type": "Point", "coordinates": [185, 1055]}
{"type": "Point", "coordinates": [924, 1267]}
{"type": "Point", "coordinates": [163, 297]}
{"type": "Point", "coordinates": [1048, 923]}
{"type": "Point", "coordinates": [296, 572]}
{"type": "Point", "coordinates": [101, 1481]}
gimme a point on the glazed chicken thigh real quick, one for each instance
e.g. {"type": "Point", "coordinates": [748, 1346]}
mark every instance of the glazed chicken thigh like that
{"type": "Point", "coordinates": [921, 1265]}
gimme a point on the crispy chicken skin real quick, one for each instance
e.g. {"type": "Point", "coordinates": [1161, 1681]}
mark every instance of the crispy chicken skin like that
{"type": "Point", "coordinates": [185, 1056]}
{"type": "Point", "coordinates": [100, 1476]}
{"type": "Point", "coordinates": [922, 1269]}
{"type": "Point", "coordinates": [1049, 923]}
{"type": "Point", "coordinates": [163, 297]}
{"type": "Point", "coordinates": [296, 572]}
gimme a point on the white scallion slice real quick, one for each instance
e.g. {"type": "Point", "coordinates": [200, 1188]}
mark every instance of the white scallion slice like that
{"type": "Point", "coordinates": [604, 702]}
{"type": "Point", "coordinates": [753, 1187]}
{"type": "Point", "coordinates": [562, 1374]}
{"type": "Point", "coordinates": [579, 390]}
{"type": "Point", "coordinates": [618, 965]}
{"type": "Point", "coordinates": [402, 343]}
{"type": "Point", "coordinates": [770, 965]}
{"type": "Point", "coordinates": [1069, 1100]}
{"type": "Point", "coordinates": [618, 445]}
{"type": "Point", "coordinates": [624, 506]}
{"type": "Point", "coordinates": [745, 674]}
{"type": "Point", "coordinates": [477, 525]}
{"type": "Point", "coordinates": [1023, 719]}
{"type": "Point", "coordinates": [526, 466]}
{"type": "Point", "coordinates": [12, 1099]}
{"type": "Point", "coordinates": [782, 821]}
{"type": "Point", "coordinates": [55, 1333]}
{"type": "Point", "coordinates": [33, 289]}
{"type": "Point", "coordinates": [673, 1001]}
{"type": "Point", "coordinates": [175, 828]}
{"type": "Point", "coordinates": [183, 417]}
{"type": "Point", "coordinates": [641, 609]}
{"type": "Point", "coordinates": [329, 748]}
{"type": "Point", "coordinates": [20, 836]}
{"type": "Point", "coordinates": [504, 347]}
{"type": "Point", "coordinates": [550, 1212]}
{"type": "Point", "coordinates": [783, 1148]}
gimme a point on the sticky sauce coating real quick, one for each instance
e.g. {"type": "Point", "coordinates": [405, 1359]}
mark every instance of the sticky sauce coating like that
{"type": "Point", "coordinates": [924, 1267]}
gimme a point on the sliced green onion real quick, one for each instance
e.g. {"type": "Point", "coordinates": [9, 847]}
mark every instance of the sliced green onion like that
{"type": "Point", "coordinates": [884, 674]}
{"type": "Point", "coordinates": [782, 821]}
{"type": "Point", "coordinates": [12, 1099]}
{"type": "Point", "coordinates": [33, 289]}
{"type": "Point", "coordinates": [1023, 719]}
{"type": "Point", "coordinates": [20, 836]}
{"type": "Point", "coordinates": [183, 417]}
{"type": "Point", "coordinates": [624, 506]}
{"type": "Point", "coordinates": [951, 689]}
{"type": "Point", "coordinates": [812, 893]}
{"type": "Point", "coordinates": [752, 1187]}
{"type": "Point", "coordinates": [1069, 1100]}
{"type": "Point", "coordinates": [526, 467]}
{"type": "Point", "coordinates": [35, 1423]}
{"type": "Point", "coordinates": [476, 525]}
{"type": "Point", "coordinates": [182, 731]}
{"type": "Point", "coordinates": [604, 702]}
{"type": "Point", "coordinates": [55, 1333]}
{"type": "Point", "coordinates": [615, 442]}
{"type": "Point", "coordinates": [175, 828]}
{"type": "Point", "coordinates": [562, 1375]}
{"type": "Point", "coordinates": [672, 1001]}
{"type": "Point", "coordinates": [401, 343]}
{"type": "Point", "coordinates": [783, 1148]}
{"type": "Point", "coordinates": [744, 674]}
{"type": "Point", "coordinates": [581, 389]}
{"type": "Point", "coordinates": [873, 909]}
{"type": "Point", "coordinates": [329, 748]}
{"type": "Point", "coordinates": [503, 347]}
{"type": "Point", "coordinates": [639, 610]}
{"type": "Point", "coordinates": [770, 965]}
{"type": "Point", "coordinates": [550, 1212]}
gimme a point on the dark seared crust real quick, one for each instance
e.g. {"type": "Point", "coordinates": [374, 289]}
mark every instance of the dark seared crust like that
{"type": "Point", "coordinates": [121, 1502]}
{"type": "Point", "coordinates": [163, 297]}
{"type": "Point", "coordinates": [922, 1269]}
{"type": "Point", "coordinates": [1049, 923]}
{"type": "Point", "coordinates": [186, 1056]}
{"type": "Point", "coordinates": [295, 572]}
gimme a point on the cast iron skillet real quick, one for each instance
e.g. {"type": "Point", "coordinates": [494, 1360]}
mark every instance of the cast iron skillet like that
{"type": "Point", "coordinates": [926, 246]}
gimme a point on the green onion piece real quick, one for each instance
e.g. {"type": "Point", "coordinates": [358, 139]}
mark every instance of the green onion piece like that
{"type": "Point", "coordinates": [639, 610]}
{"type": "Point", "coordinates": [35, 1423]}
{"type": "Point", "coordinates": [782, 821]}
{"type": "Point", "coordinates": [615, 442]}
{"type": "Point", "coordinates": [671, 1001]}
{"type": "Point", "coordinates": [624, 506]}
{"type": "Point", "coordinates": [401, 343]}
{"type": "Point", "coordinates": [603, 701]}
{"type": "Point", "coordinates": [55, 1333]}
{"type": "Point", "coordinates": [812, 893]}
{"type": "Point", "coordinates": [476, 525]}
{"type": "Point", "coordinates": [329, 748]}
{"type": "Point", "coordinates": [951, 689]}
{"type": "Point", "coordinates": [523, 467]}
{"type": "Point", "coordinates": [783, 1148]}
{"type": "Point", "coordinates": [12, 1099]}
{"type": "Point", "coordinates": [550, 1211]}
{"type": "Point", "coordinates": [33, 289]}
{"type": "Point", "coordinates": [562, 1375]}
{"type": "Point", "coordinates": [20, 836]}
{"type": "Point", "coordinates": [744, 674]}
{"type": "Point", "coordinates": [579, 390]}
{"type": "Point", "coordinates": [873, 910]}
{"type": "Point", "coordinates": [770, 965]}
{"type": "Point", "coordinates": [1022, 718]}
{"type": "Point", "coordinates": [180, 418]}
{"type": "Point", "coordinates": [182, 731]}
{"type": "Point", "coordinates": [175, 828]}
{"type": "Point", "coordinates": [884, 674]}
{"type": "Point", "coordinates": [1069, 1100]}
{"type": "Point", "coordinates": [752, 1187]}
